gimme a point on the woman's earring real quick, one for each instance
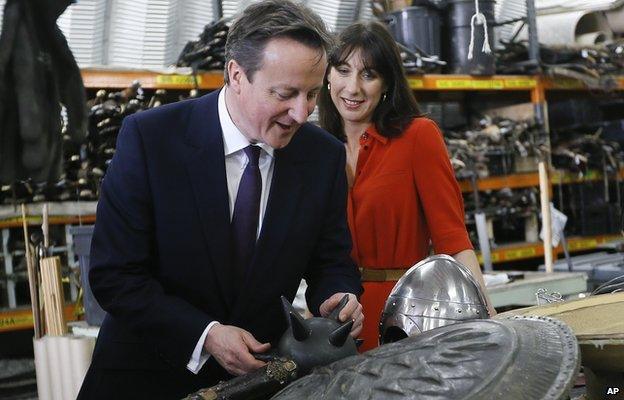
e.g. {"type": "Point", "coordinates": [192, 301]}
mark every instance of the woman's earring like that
{"type": "Point", "coordinates": [384, 97]}
{"type": "Point", "coordinates": [328, 86]}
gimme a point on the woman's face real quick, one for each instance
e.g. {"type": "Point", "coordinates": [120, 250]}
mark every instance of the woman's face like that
{"type": "Point", "coordinates": [355, 90]}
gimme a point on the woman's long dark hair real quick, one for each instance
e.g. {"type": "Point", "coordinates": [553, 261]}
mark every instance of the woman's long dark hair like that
{"type": "Point", "coordinates": [379, 53]}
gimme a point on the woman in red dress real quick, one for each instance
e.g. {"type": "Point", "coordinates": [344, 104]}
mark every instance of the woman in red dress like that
{"type": "Point", "coordinates": [403, 195]}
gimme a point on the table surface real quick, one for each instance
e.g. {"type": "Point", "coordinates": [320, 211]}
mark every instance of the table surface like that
{"type": "Point", "coordinates": [522, 292]}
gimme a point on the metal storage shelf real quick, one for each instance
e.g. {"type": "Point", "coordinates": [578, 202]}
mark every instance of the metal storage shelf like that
{"type": "Point", "coordinates": [613, 82]}
{"type": "Point", "coordinates": [522, 251]}
{"type": "Point", "coordinates": [60, 213]}
{"type": "Point", "coordinates": [467, 82]}
{"type": "Point", "coordinates": [531, 179]}
{"type": "Point", "coordinates": [181, 79]}
{"type": "Point", "coordinates": [122, 78]}
{"type": "Point", "coordinates": [557, 177]}
{"type": "Point", "coordinates": [537, 86]}
{"type": "Point", "coordinates": [504, 181]}
{"type": "Point", "coordinates": [21, 318]}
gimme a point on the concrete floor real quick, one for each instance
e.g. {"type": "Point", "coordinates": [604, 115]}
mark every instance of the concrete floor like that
{"type": "Point", "coordinates": [17, 379]}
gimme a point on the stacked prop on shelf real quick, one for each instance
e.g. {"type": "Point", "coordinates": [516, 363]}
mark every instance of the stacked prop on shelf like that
{"type": "Point", "coordinates": [593, 65]}
{"type": "Point", "coordinates": [208, 52]}
{"type": "Point", "coordinates": [493, 147]}
{"type": "Point", "coordinates": [85, 165]}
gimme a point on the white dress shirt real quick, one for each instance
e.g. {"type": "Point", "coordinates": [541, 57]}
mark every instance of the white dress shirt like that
{"type": "Point", "coordinates": [235, 162]}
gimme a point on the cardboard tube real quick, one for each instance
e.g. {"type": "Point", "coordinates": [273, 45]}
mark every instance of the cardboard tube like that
{"type": "Point", "coordinates": [64, 343]}
{"type": "Point", "coordinates": [54, 366]}
{"type": "Point", "coordinates": [545, 205]}
{"type": "Point", "coordinates": [42, 369]}
{"type": "Point", "coordinates": [563, 29]}
{"type": "Point", "coordinates": [592, 38]}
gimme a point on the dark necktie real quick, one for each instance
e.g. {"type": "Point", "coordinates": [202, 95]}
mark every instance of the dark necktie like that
{"type": "Point", "coordinates": [246, 213]}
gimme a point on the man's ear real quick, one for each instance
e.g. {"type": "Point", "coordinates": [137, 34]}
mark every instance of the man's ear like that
{"type": "Point", "coordinates": [236, 75]}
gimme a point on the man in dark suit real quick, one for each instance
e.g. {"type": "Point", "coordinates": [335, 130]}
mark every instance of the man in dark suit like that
{"type": "Point", "coordinates": [215, 207]}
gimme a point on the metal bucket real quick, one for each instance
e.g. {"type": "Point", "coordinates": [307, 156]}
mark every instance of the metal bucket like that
{"type": "Point", "coordinates": [418, 28]}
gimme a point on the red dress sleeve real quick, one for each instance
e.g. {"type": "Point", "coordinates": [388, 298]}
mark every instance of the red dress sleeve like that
{"type": "Point", "coordinates": [437, 188]}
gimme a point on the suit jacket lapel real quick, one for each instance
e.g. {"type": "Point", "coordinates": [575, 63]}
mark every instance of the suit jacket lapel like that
{"type": "Point", "coordinates": [206, 168]}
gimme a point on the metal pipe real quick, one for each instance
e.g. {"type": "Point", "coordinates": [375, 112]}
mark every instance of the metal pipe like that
{"type": "Point", "coordinates": [532, 26]}
{"type": "Point", "coordinates": [546, 220]}
{"type": "Point", "coordinates": [217, 9]}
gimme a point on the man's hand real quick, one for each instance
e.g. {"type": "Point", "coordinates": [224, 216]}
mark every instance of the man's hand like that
{"type": "Point", "coordinates": [352, 310]}
{"type": "Point", "coordinates": [232, 347]}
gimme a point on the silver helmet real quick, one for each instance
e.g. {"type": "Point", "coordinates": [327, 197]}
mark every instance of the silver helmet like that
{"type": "Point", "coordinates": [437, 291]}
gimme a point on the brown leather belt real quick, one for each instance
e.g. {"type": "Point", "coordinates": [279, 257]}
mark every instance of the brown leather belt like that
{"type": "Point", "coordinates": [382, 275]}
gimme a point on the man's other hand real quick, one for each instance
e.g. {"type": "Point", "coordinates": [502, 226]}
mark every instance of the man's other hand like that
{"type": "Point", "coordinates": [232, 347]}
{"type": "Point", "coordinates": [352, 310]}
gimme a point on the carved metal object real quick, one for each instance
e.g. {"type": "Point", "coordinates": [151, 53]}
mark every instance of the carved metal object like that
{"type": "Point", "coordinates": [516, 358]}
{"type": "Point", "coordinates": [437, 291]}
{"type": "Point", "coordinates": [260, 384]}
{"type": "Point", "coordinates": [596, 322]}
{"type": "Point", "coordinates": [543, 297]}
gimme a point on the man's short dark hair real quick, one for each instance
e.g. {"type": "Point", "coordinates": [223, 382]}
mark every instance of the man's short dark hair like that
{"type": "Point", "coordinates": [271, 19]}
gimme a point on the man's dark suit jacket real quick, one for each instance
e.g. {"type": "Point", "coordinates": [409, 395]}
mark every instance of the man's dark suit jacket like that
{"type": "Point", "coordinates": [160, 251]}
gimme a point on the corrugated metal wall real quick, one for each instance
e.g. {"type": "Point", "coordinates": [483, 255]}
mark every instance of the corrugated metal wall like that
{"type": "Point", "coordinates": [151, 33]}
{"type": "Point", "coordinates": [84, 25]}
{"type": "Point", "coordinates": [2, 2]}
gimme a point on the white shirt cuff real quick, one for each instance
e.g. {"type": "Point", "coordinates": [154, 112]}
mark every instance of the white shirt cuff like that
{"type": "Point", "coordinates": [200, 356]}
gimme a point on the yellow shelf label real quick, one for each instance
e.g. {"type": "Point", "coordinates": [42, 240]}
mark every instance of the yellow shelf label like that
{"type": "Point", "coordinates": [583, 244]}
{"type": "Point", "coordinates": [567, 177]}
{"type": "Point", "coordinates": [177, 80]}
{"type": "Point", "coordinates": [494, 256]}
{"type": "Point", "coordinates": [11, 322]}
{"type": "Point", "coordinates": [520, 83]}
{"type": "Point", "coordinates": [520, 253]}
{"type": "Point", "coordinates": [563, 83]}
{"type": "Point", "coordinates": [416, 83]}
{"type": "Point", "coordinates": [469, 84]}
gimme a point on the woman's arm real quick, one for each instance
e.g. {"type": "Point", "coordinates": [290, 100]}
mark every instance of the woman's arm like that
{"type": "Point", "coordinates": [469, 259]}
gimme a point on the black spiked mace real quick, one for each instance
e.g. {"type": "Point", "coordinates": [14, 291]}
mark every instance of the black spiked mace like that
{"type": "Point", "coordinates": [316, 341]}
{"type": "Point", "coordinates": [307, 343]}
{"type": "Point", "coordinates": [295, 321]}
{"type": "Point", "coordinates": [339, 336]}
{"type": "Point", "coordinates": [335, 314]}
